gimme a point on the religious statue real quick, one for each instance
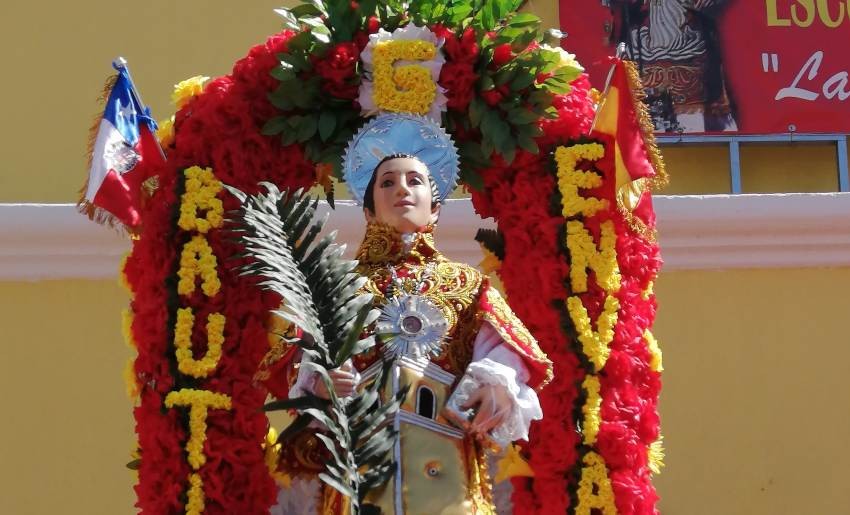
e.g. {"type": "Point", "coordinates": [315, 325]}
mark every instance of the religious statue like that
{"type": "Point", "coordinates": [470, 365]}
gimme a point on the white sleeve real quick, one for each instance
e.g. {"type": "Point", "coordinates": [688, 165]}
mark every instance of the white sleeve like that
{"type": "Point", "coordinates": [302, 497]}
{"type": "Point", "coordinates": [493, 362]}
{"type": "Point", "coordinates": [305, 381]}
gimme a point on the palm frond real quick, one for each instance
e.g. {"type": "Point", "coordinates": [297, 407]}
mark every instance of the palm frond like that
{"type": "Point", "coordinates": [492, 240]}
{"type": "Point", "coordinates": [322, 296]}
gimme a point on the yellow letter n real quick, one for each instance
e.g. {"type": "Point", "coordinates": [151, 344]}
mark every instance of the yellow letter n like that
{"type": "Point", "coordinates": [584, 255]}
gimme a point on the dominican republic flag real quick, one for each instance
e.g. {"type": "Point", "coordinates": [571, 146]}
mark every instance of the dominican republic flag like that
{"type": "Point", "coordinates": [124, 153]}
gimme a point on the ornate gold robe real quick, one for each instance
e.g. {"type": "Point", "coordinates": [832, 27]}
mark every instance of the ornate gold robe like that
{"type": "Point", "coordinates": [461, 484]}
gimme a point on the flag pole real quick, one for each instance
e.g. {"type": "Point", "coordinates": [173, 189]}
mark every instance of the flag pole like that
{"type": "Point", "coordinates": [120, 64]}
{"type": "Point", "coordinates": [619, 54]}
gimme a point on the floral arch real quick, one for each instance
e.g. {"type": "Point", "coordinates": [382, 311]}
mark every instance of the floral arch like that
{"type": "Point", "coordinates": [521, 112]}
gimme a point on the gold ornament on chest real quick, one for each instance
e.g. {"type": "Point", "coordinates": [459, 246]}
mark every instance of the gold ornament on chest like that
{"type": "Point", "coordinates": [421, 304]}
{"type": "Point", "coordinates": [410, 323]}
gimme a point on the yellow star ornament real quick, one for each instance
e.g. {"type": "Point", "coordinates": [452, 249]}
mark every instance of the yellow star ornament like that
{"type": "Point", "coordinates": [512, 464]}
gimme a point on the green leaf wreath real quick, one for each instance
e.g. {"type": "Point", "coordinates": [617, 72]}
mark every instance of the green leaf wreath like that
{"type": "Point", "coordinates": [516, 75]}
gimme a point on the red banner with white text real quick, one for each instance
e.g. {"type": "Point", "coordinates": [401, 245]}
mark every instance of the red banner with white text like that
{"type": "Point", "coordinates": [712, 66]}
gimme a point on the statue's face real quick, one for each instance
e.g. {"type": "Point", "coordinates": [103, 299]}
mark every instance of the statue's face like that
{"type": "Point", "coordinates": [402, 194]}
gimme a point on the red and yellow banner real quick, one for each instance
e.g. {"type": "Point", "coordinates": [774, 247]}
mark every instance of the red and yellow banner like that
{"type": "Point", "coordinates": [745, 66]}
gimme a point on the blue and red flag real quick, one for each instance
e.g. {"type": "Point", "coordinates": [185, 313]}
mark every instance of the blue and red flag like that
{"type": "Point", "coordinates": [124, 153]}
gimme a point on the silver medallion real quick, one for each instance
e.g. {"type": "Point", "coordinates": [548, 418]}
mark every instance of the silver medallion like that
{"type": "Point", "coordinates": [411, 325]}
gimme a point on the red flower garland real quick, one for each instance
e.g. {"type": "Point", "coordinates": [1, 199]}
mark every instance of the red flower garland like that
{"type": "Point", "coordinates": [516, 196]}
{"type": "Point", "coordinates": [629, 387]}
{"type": "Point", "coordinates": [338, 68]}
{"type": "Point", "coordinates": [458, 75]}
{"type": "Point", "coordinates": [219, 129]}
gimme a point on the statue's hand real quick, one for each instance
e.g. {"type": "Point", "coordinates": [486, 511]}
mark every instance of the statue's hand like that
{"type": "Point", "coordinates": [344, 381]}
{"type": "Point", "coordinates": [494, 407]}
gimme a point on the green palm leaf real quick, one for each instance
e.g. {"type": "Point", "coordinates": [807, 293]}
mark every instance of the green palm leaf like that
{"type": "Point", "coordinates": [321, 296]}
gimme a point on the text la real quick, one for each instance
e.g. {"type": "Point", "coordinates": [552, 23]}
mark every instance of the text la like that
{"type": "Point", "coordinates": [835, 86]}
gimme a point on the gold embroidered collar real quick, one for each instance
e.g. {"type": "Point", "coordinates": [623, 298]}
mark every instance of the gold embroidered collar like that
{"type": "Point", "coordinates": [382, 244]}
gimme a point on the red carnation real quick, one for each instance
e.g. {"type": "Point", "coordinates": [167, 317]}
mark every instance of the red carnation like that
{"type": "Point", "coordinates": [552, 495]}
{"type": "Point", "coordinates": [340, 63]}
{"type": "Point", "coordinates": [463, 49]}
{"type": "Point", "coordinates": [494, 96]}
{"type": "Point", "coordinates": [341, 90]}
{"type": "Point", "coordinates": [541, 77]}
{"type": "Point", "coordinates": [361, 39]}
{"type": "Point", "coordinates": [441, 31]}
{"type": "Point", "coordinates": [469, 43]}
{"type": "Point", "coordinates": [502, 54]}
{"type": "Point", "coordinates": [253, 69]}
{"type": "Point", "coordinates": [634, 493]}
{"type": "Point", "coordinates": [373, 24]}
{"type": "Point", "coordinates": [458, 78]}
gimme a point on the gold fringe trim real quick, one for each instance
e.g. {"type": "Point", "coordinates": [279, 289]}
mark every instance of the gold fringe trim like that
{"type": "Point", "coordinates": [150, 186]}
{"type": "Point", "coordinates": [661, 178]}
{"type": "Point", "coordinates": [95, 126]}
{"type": "Point", "coordinates": [480, 487]}
{"type": "Point", "coordinates": [277, 352]}
{"type": "Point", "coordinates": [636, 224]}
{"type": "Point", "coordinates": [647, 129]}
{"type": "Point", "coordinates": [101, 216]}
{"type": "Point", "coordinates": [277, 333]}
{"type": "Point", "coordinates": [656, 455]}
